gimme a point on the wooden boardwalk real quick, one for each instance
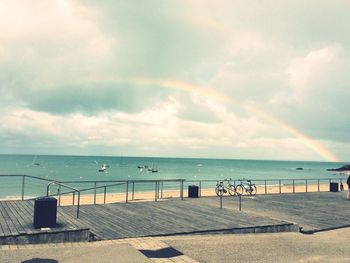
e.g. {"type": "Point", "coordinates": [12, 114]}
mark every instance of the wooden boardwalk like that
{"type": "Point", "coordinates": [16, 226]}
{"type": "Point", "coordinates": [170, 217]}
{"type": "Point", "coordinates": [271, 213]}
{"type": "Point", "coordinates": [314, 212]}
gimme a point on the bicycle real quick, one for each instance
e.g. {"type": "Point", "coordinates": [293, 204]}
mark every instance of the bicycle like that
{"type": "Point", "coordinates": [222, 189]}
{"type": "Point", "coordinates": [248, 188]}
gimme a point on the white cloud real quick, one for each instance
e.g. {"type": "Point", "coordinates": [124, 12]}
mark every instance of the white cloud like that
{"type": "Point", "coordinates": [304, 70]}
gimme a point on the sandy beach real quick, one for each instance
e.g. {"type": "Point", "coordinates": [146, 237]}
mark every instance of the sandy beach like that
{"type": "Point", "coordinates": [168, 194]}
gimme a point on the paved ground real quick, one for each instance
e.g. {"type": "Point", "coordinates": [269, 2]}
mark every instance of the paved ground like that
{"type": "Point", "coordinates": [329, 246]}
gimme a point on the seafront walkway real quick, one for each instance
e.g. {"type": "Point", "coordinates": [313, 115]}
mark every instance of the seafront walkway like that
{"type": "Point", "coordinates": [168, 231]}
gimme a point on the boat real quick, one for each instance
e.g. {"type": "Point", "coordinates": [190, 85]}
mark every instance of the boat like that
{"type": "Point", "coordinates": [152, 169]}
{"type": "Point", "coordinates": [103, 168]}
{"type": "Point", "coordinates": [147, 168]}
{"type": "Point", "coordinates": [34, 163]}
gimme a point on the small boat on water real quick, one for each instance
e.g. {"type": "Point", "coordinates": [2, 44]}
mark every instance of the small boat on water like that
{"type": "Point", "coordinates": [34, 162]}
{"type": "Point", "coordinates": [153, 169]}
{"type": "Point", "coordinates": [103, 168]}
{"type": "Point", "coordinates": [147, 168]}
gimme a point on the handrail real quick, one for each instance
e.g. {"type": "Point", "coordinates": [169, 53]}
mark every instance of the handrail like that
{"type": "Point", "coordinates": [158, 185]}
{"type": "Point", "coordinates": [67, 186]}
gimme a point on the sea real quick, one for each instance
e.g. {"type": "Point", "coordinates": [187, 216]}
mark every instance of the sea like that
{"type": "Point", "coordinates": [82, 171]}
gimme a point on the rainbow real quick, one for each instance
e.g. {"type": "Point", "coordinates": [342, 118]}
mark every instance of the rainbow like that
{"type": "Point", "coordinates": [312, 144]}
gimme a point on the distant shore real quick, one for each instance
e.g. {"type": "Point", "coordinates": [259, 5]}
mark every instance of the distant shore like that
{"type": "Point", "coordinates": [169, 194]}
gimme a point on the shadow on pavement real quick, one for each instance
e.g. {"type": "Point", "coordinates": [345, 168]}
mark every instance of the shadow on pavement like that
{"type": "Point", "coordinates": [168, 252]}
{"type": "Point", "coordinates": [40, 260]}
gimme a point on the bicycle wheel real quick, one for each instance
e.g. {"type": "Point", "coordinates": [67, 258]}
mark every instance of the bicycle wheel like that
{"type": "Point", "coordinates": [217, 191]}
{"type": "Point", "coordinates": [239, 190]}
{"type": "Point", "coordinates": [252, 190]}
{"type": "Point", "coordinates": [231, 190]}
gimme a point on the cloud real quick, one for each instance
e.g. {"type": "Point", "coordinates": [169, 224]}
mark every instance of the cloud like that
{"type": "Point", "coordinates": [193, 76]}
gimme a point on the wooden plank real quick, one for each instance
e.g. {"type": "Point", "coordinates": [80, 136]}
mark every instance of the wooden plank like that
{"type": "Point", "coordinates": [15, 218]}
{"type": "Point", "coordinates": [21, 214]}
{"type": "Point", "coordinates": [8, 220]}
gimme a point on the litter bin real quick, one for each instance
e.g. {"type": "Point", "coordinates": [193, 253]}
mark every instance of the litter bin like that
{"type": "Point", "coordinates": [45, 212]}
{"type": "Point", "coordinates": [193, 191]}
{"type": "Point", "coordinates": [333, 187]}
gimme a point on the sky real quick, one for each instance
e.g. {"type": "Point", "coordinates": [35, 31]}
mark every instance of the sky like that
{"type": "Point", "coordinates": [187, 78]}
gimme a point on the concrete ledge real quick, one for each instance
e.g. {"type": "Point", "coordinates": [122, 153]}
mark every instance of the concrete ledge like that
{"type": "Point", "coordinates": [287, 227]}
{"type": "Point", "coordinates": [78, 235]}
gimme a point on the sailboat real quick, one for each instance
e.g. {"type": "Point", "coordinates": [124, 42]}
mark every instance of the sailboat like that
{"type": "Point", "coordinates": [34, 162]}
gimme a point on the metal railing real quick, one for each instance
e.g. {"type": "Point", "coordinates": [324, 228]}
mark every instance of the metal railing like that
{"type": "Point", "coordinates": [158, 186]}
{"type": "Point", "coordinates": [269, 183]}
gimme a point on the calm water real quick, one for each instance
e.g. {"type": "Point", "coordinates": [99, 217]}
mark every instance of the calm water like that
{"type": "Point", "coordinates": [85, 168]}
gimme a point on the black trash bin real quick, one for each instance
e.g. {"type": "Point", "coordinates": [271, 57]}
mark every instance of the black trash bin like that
{"type": "Point", "coordinates": [45, 212]}
{"type": "Point", "coordinates": [193, 191]}
{"type": "Point", "coordinates": [333, 187]}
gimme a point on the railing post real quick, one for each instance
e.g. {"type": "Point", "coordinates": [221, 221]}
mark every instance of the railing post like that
{"type": "Point", "coordinates": [133, 190]}
{"type": "Point", "coordinates": [73, 198]}
{"type": "Point", "coordinates": [23, 182]}
{"type": "Point", "coordinates": [220, 200]}
{"type": "Point", "coordinates": [161, 189]}
{"type": "Point", "coordinates": [104, 194]}
{"type": "Point", "coordinates": [200, 188]}
{"type": "Point", "coordinates": [279, 185]}
{"type": "Point", "coordinates": [127, 192]}
{"type": "Point", "coordinates": [78, 208]}
{"type": "Point", "coordinates": [293, 186]}
{"type": "Point", "coordinates": [95, 184]}
{"type": "Point", "coordinates": [182, 190]}
{"type": "Point", "coordinates": [265, 188]}
{"type": "Point", "coordinates": [318, 185]}
{"type": "Point", "coordinates": [158, 189]}
{"type": "Point", "coordinates": [240, 202]}
{"type": "Point", "coordinates": [306, 185]}
{"type": "Point", "coordinates": [155, 191]}
{"type": "Point", "coordinates": [59, 195]}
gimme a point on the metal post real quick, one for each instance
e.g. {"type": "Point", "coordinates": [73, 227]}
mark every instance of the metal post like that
{"type": "Point", "coordinates": [95, 193]}
{"type": "Point", "coordinates": [104, 194]}
{"type": "Point", "coordinates": [73, 198]}
{"type": "Point", "coordinates": [265, 188]}
{"type": "Point", "coordinates": [161, 191]}
{"type": "Point", "coordinates": [200, 188]}
{"type": "Point", "coordinates": [279, 184]}
{"type": "Point", "coordinates": [318, 185]}
{"type": "Point", "coordinates": [78, 204]}
{"type": "Point", "coordinates": [182, 190]}
{"type": "Point", "coordinates": [133, 190]}
{"type": "Point", "coordinates": [59, 195]}
{"type": "Point", "coordinates": [293, 186]}
{"type": "Point", "coordinates": [155, 192]}
{"type": "Point", "coordinates": [240, 202]}
{"type": "Point", "coordinates": [220, 200]}
{"type": "Point", "coordinates": [127, 192]}
{"type": "Point", "coordinates": [158, 189]}
{"type": "Point", "coordinates": [23, 182]}
{"type": "Point", "coordinates": [306, 185]}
